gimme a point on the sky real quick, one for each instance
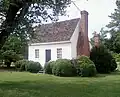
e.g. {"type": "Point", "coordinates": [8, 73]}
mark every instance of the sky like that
{"type": "Point", "coordinates": [98, 10]}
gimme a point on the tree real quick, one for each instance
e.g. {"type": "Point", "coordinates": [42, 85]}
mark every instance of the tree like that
{"type": "Point", "coordinates": [14, 11]}
{"type": "Point", "coordinates": [13, 43]}
{"type": "Point", "coordinates": [115, 18]}
{"type": "Point", "coordinates": [103, 35]}
{"type": "Point", "coordinates": [10, 56]}
{"type": "Point", "coordinates": [102, 59]}
{"type": "Point", "coordinates": [114, 29]}
{"type": "Point", "coordinates": [12, 50]}
{"type": "Point", "coordinates": [112, 43]}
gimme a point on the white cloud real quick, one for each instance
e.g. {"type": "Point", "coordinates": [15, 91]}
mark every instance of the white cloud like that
{"type": "Point", "coordinates": [98, 12]}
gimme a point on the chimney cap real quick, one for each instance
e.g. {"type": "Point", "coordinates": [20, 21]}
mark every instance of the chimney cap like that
{"type": "Point", "coordinates": [96, 34]}
{"type": "Point", "coordinates": [84, 12]}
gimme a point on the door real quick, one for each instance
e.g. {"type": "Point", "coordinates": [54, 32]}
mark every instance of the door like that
{"type": "Point", "coordinates": [48, 55]}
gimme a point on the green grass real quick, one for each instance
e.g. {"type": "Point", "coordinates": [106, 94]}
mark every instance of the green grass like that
{"type": "Point", "coordinates": [18, 84]}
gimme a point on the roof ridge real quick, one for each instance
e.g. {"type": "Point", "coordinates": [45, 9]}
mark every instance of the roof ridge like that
{"type": "Point", "coordinates": [61, 21]}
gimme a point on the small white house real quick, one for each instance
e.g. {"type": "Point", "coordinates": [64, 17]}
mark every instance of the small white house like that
{"type": "Point", "coordinates": [65, 39]}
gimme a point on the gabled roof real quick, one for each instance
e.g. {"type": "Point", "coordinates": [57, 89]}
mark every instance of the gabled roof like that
{"type": "Point", "coordinates": [54, 32]}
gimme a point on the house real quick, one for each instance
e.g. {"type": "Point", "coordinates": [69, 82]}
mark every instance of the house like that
{"type": "Point", "coordinates": [66, 39]}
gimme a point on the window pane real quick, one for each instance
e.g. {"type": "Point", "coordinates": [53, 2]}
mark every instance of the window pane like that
{"type": "Point", "coordinates": [36, 53]}
{"type": "Point", "coordinates": [59, 53]}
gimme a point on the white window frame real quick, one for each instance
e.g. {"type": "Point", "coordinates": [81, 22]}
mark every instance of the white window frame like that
{"type": "Point", "coordinates": [36, 53]}
{"type": "Point", "coordinates": [59, 53]}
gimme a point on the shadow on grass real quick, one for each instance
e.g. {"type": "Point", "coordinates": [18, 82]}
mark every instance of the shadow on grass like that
{"type": "Point", "coordinates": [108, 74]}
{"type": "Point", "coordinates": [33, 85]}
{"type": "Point", "coordinates": [23, 85]}
{"type": "Point", "coordinates": [34, 88]}
{"type": "Point", "coordinates": [5, 69]}
{"type": "Point", "coordinates": [50, 89]}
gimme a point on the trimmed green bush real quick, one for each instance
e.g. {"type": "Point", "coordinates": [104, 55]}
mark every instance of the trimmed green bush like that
{"type": "Point", "coordinates": [88, 71]}
{"type": "Point", "coordinates": [63, 67]}
{"type": "Point", "coordinates": [20, 65]}
{"type": "Point", "coordinates": [33, 67]}
{"type": "Point", "coordinates": [48, 67]}
{"type": "Point", "coordinates": [25, 65]}
{"type": "Point", "coordinates": [102, 59]}
{"type": "Point", "coordinates": [86, 66]}
{"type": "Point", "coordinates": [75, 64]}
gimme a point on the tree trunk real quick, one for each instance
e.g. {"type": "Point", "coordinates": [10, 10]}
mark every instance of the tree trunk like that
{"type": "Point", "coordinates": [8, 63]}
{"type": "Point", "coordinates": [7, 26]}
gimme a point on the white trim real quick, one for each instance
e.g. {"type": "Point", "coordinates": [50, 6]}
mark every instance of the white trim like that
{"type": "Point", "coordinates": [75, 30]}
{"type": "Point", "coordinates": [48, 43]}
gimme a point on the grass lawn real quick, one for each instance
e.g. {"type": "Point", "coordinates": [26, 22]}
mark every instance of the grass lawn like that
{"type": "Point", "coordinates": [18, 84]}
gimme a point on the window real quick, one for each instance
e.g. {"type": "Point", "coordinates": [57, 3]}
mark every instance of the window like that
{"type": "Point", "coordinates": [59, 53]}
{"type": "Point", "coordinates": [36, 53]}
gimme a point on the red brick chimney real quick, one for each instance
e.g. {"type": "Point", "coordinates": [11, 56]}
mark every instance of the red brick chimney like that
{"type": "Point", "coordinates": [96, 39]}
{"type": "Point", "coordinates": [83, 41]}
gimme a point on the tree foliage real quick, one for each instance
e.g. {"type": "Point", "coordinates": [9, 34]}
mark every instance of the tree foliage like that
{"type": "Point", "coordinates": [12, 50]}
{"type": "Point", "coordinates": [115, 18]}
{"type": "Point", "coordinates": [113, 29]}
{"type": "Point", "coordinates": [102, 59]}
{"type": "Point", "coordinates": [113, 43]}
{"type": "Point", "coordinates": [14, 12]}
{"type": "Point", "coordinates": [13, 43]}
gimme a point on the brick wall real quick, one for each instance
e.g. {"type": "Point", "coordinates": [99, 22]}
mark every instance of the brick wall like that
{"type": "Point", "coordinates": [83, 41]}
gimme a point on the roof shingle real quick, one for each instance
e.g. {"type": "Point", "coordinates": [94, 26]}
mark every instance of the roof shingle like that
{"type": "Point", "coordinates": [54, 32]}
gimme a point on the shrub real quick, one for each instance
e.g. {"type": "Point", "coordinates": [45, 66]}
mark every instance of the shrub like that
{"type": "Point", "coordinates": [20, 65]}
{"type": "Point", "coordinates": [48, 67]}
{"type": "Point", "coordinates": [86, 66]}
{"type": "Point", "coordinates": [11, 56]}
{"type": "Point", "coordinates": [113, 65]}
{"type": "Point", "coordinates": [33, 67]}
{"type": "Point", "coordinates": [103, 60]}
{"type": "Point", "coordinates": [75, 64]}
{"type": "Point", "coordinates": [63, 67]}
{"type": "Point", "coordinates": [116, 56]}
